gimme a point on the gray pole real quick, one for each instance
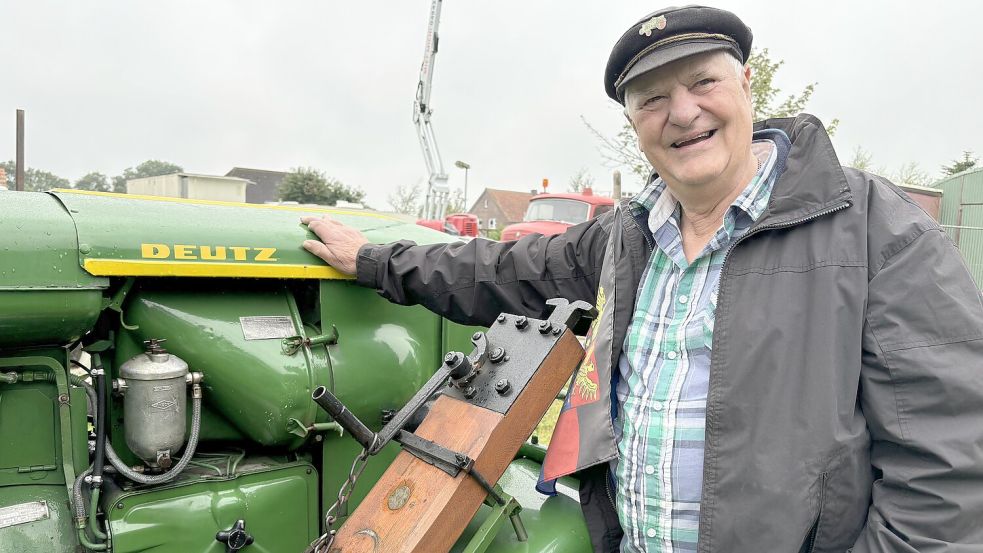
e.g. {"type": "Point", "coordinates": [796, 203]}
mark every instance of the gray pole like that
{"type": "Point", "coordinates": [466, 189]}
{"type": "Point", "coordinates": [616, 187]}
{"type": "Point", "coordinates": [19, 177]}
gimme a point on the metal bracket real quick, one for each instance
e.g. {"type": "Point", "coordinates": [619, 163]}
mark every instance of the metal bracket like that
{"type": "Point", "coordinates": [451, 462]}
{"type": "Point", "coordinates": [292, 345]}
{"type": "Point", "coordinates": [116, 303]}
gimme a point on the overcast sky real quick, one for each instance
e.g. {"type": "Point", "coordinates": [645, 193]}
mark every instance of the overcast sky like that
{"type": "Point", "coordinates": [274, 85]}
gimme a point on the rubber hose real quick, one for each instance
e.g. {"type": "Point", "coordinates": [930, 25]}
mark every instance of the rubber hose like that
{"type": "Point", "coordinates": [77, 501]}
{"type": "Point", "coordinates": [189, 452]}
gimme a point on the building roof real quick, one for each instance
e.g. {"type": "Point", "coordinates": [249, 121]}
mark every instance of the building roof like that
{"type": "Point", "coordinates": [265, 183]}
{"type": "Point", "coordinates": [513, 204]}
{"type": "Point", "coordinates": [199, 175]}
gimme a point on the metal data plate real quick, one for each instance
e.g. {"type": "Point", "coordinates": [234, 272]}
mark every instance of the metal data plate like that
{"type": "Point", "coordinates": [24, 513]}
{"type": "Point", "coordinates": [267, 327]}
{"type": "Point", "coordinates": [525, 349]}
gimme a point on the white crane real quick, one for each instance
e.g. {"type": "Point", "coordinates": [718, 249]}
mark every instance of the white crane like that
{"type": "Point", "coordinates": [437, 190]}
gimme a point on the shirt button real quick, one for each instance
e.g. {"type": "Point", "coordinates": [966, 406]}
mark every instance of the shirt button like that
{"type": "Point", "coordinates": [650, 532]}
{"type": "Point", "coordinates": [649, 469]}
{"type": "Point", "coordinates": [671, 355]}
{"type": "Point", "coordinates": [657, 405]}
{"type": "Point", "coordinates": [683, 299]}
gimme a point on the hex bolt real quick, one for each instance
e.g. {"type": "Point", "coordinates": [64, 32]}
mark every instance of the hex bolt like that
{"type": "Point", "coordinates": [452, 359]}
{"type": "Point", "coordinates": [545, 327]}
{"type": "Point", "coordinates": [557, 330]}
{"type": "Point", "coordinates": [63, 399]}
{"type": "Point", "coordinates": [521, 322]}
{"type": "Point", "coordinates": [501, 317]}
{"type": "Point", "coordinates": [497, 355]}
{"type": "Point", "coordinates": [470, 392]}
{"type": "Point", "coordinates": [503, 386]}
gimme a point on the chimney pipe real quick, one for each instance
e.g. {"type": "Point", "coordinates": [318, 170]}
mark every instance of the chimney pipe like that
{"type": "Point", "coordinates": [19, 173]}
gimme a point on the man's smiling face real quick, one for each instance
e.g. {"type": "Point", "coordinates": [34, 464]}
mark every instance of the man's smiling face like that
{"type": "Point", "coordinates": [694, 121]}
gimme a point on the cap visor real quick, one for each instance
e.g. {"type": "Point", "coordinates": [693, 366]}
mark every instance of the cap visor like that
{"type": "Point", "coordinates": [668, 54]}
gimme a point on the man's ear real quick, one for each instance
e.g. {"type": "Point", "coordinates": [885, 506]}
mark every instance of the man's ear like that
{"type": "Point", "coordinates": [746, 82]}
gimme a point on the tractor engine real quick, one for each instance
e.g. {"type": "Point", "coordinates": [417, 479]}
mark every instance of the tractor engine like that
{"type": "Point", "coordinates": [157, 362]}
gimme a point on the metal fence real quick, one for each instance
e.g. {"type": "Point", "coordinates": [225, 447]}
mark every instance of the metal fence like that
{"type": "Point", "coordinates": [969, 240]}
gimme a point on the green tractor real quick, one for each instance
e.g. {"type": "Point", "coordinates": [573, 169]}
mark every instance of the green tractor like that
{"type": "Point", "coordinates": [157, 362]}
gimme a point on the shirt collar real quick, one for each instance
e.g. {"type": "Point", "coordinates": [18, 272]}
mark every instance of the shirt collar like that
{"type": "Point", "coordinates": [768, 146]}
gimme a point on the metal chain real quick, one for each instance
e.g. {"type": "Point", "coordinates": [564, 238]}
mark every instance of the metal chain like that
{"type": "Point", "coordinates": [323, 543]}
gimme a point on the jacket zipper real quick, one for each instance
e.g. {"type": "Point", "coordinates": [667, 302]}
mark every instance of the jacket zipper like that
{"type": "Point", "coordinates": [723, 273]}
{"type": "Point", "coordinates": [819, 516]}
{"type": "Point", "coordinates": [607, 488]}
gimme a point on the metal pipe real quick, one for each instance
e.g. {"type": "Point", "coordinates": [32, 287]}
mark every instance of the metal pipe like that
{"type": "Point", "coordinates": [93, 519]}
{"type": "Point", "coordinates": [344, 417]}
{"type": "Point", "coordinates": [19, 168]}
{"type": "Point", "coordinates": [84, 540]}
{"type": "Point", "coordinates": [99, 379]}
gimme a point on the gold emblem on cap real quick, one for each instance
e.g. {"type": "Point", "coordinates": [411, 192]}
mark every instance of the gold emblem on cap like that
{"type": "Point", "coordinates": [658, 22]}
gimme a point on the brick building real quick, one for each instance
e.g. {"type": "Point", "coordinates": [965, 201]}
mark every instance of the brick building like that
{"type": "Point", "coordinates": [497, 209]}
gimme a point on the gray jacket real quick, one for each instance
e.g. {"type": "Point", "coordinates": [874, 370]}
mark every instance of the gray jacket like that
{"type": "Point", "coordinates": [845, 408]}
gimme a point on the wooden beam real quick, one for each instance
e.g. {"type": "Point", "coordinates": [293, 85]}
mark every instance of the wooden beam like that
{"type": "Point", "coordinates": [418, 508]}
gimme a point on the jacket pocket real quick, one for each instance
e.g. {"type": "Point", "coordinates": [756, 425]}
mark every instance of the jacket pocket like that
{"type": "Point", "coordinates": [809, 546]}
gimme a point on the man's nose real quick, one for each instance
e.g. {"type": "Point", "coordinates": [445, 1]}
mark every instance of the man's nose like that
{"type": "Point", "coordinates": [683, 109]}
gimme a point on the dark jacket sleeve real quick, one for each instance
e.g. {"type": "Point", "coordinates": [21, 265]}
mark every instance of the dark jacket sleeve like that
{"type": "Point", "coordinates": [472, 282]}
{"type": "Point", "coordinates": [922, 395]}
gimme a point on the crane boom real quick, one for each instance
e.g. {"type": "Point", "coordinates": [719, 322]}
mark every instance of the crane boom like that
{"type": "Point", "coordinates": [437, 191]}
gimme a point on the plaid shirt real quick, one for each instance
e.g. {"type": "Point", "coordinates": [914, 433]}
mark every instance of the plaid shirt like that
{"type": "Point", "coordinates": [664, 370]}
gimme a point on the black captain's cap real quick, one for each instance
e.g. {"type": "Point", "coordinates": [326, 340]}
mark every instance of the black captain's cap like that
{"type": "Point", "coordinates": [671, 34]}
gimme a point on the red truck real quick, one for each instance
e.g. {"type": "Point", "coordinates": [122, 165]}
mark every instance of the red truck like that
{"type": "Point", "coordinates": [458, 224]}
{"type": "Point", "coordinates": [549, 214]}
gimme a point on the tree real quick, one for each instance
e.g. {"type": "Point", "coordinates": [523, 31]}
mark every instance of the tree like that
{"type": "Point", "coordinates": [406, 199]}
{"type": "Point", "coordinates": [95, 181]}
{"type": "Point", "coordinates": [455, 202]}
{"type": "Point", "coordinates": [621, 150]}
{"type": "Point", "coordinates": [580, 180]}
{"type": "Point", "coordinates": [307, 185]}
{"type": "Point", "coordinates": [910, 173]}
{"type": "Point", "coordinates": [149, 168]}
{"type": "Point", "coordinates": [35, 180]}
{"type": "Point", "coordinates": [764, 92]}
{"type": "Point", "coordinates": [862, 160]}
{"type": "Point", "coordinates": [959, 165]}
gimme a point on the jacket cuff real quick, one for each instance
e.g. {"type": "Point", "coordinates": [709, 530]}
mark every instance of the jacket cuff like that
{"type": "Point", "coordinates": [367, 266]}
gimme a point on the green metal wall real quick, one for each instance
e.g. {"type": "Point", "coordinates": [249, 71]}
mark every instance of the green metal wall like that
{"type": "Point", "coordinates": [962, 217]}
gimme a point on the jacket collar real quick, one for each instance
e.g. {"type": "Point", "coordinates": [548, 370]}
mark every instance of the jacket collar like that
{"type": "Point", "coordinates": [813, 180]}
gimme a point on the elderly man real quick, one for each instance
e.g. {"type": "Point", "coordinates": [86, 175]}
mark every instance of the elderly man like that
{"type": "Point", "coordinates": [789, 353]}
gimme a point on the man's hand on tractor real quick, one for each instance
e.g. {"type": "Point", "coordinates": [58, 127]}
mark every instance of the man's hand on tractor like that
{"type": "Point", "coordinates": [338, 244]}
